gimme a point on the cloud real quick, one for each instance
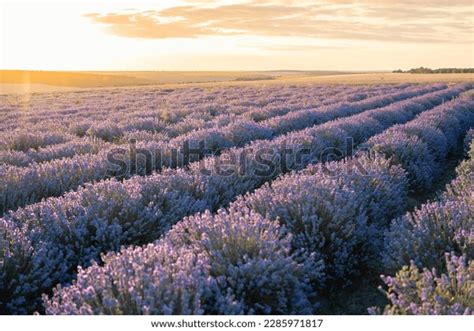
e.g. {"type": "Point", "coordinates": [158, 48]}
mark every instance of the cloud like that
{"type": "Point", "coordinates": [145, 25]}
{"type": "Point", "coordinates": [403, 21]}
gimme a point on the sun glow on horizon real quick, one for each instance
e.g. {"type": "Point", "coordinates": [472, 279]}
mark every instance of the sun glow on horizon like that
{"type": "Point", "coordinates": [236, 35]}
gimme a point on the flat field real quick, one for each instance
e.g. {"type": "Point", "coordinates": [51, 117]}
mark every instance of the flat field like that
{"type": "Point", "coordinates": [42, 81]}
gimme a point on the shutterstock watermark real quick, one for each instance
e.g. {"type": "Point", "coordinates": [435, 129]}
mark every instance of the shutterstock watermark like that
{"type": "Point", "coordinates": [211, 161]}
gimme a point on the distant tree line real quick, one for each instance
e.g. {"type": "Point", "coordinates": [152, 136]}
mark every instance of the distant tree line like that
{"type": "Point", "coordinates": [423, 70]}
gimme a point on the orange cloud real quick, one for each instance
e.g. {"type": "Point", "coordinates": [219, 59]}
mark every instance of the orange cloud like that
{"type": "Point", "coordinates": [144, 25]}
{"type": "Point", "coordinates": [405, 21]}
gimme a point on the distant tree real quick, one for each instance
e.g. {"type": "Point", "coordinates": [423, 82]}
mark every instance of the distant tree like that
{"type": "Point", "coordinates": [423, 70]}
{"type": "Point", "coordinates": [454, 70]}
{"type": "Point", "coordinates": [420, 70]}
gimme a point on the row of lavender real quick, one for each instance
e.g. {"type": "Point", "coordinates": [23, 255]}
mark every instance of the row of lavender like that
{"type": "Point", "coordinates": [47, 153]}
{"type": "Point", "coordinates": [45, 242]}
{"type": "Point", "coordinates": [23, 186]}
{"type": "Point", "coordinates": [328, 230]}
{"type": "Point", "coordinates": [28, 146]}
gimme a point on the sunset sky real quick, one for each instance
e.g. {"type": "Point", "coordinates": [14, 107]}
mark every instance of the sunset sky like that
{"type": "Point", "coordinates": [236, 35]}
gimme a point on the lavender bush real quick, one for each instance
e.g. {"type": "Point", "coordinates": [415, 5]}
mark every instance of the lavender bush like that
{"type": "Point", "coordinates": [106, 131]}
{"type": "Point", "coordinates": [52, 152]}
{"type": "Point", "coordinates": [428, 233]}
{"type": "Point", "coordinates": [23, 140]}
{"type": "Point", "coordinates": [411, 153]}
{"type": "Point", "coordinates": [415, 292]}
{"type": "Point", "coordinates": [224, 264]}
{"type": "Point", "coordinates": [157, 279]}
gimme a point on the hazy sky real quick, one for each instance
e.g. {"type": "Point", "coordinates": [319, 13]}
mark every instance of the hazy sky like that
{"type": "Point", "coordinates": [236, 35]}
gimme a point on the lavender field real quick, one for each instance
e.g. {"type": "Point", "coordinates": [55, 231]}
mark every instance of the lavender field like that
{"type": "Point", "coordinates": [279, 199]}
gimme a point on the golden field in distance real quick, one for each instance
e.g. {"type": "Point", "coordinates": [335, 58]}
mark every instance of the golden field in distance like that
{"type": "Point", "coordinates": [16, 81]}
